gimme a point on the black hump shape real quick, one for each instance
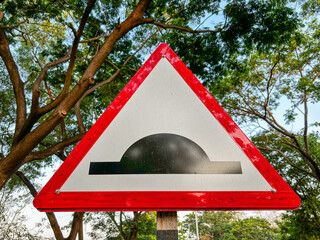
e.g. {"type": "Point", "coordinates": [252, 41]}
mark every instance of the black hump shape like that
{"type": "Point", "coordinates": [165, 153]}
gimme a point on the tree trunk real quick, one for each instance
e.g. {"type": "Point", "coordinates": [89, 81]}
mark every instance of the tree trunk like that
{"type": "Point", "coordinates": [134, 229]}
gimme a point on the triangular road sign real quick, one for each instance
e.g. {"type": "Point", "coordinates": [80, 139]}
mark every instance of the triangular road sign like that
{"type": "Point", "coordinates": [165, 144]}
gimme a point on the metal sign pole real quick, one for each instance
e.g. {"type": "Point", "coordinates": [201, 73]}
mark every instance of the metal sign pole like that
{"type": "Point", "coordinates": [197, 227]}
{"type": "Point", "coordinates": [167, 225]}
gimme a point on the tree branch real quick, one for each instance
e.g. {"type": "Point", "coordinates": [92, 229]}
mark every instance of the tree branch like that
{"type": "Point", "coordinates": [134, 228]}
{"type": "Point", "coordinates": [133, 20]}
{"type": "Point", "coordinates": [268, 87]}
{"type": "Point", "coordinates": [70, 25]}
{"type": "Point", "coordinates": [73, 54]}
{"type": "Point", "coordinates": [305, 156]}
{"type": "Point", "coordinates": [13, 26]}
{"type": "Point", "coordinates": [35, 112]}
{"type": "Point", "coordinates": [305, 133]}
{"type": "Point", "coordinates": [305, 99]}
{"type": "Point", "coordinates": [18, 86]}
{"type": "Point", "coordinates": [36, 86]}
{"type": "Point", "coordinates": [81, 126]}
{"type": "Point", "coordinates": [51, 216]}
{"type": "Point", "coordinates": [76, 225]}
{"type": "Point", "coordinates": [28, 184]}
{"type": "Point", "coordinates": [289, 162]}
{"type": "Point", "coordinates": [77, 105]}
{"type": "Point", "coordinates": [275, 125]}
{"type": "Point", "coordinates": [315, 77]}
{"type": "Point", "coordinates": [54, 149]}
{"type": "Point", "coordinates": [185, 29]}
{"type": "Point", "coordinates": [95, 38]}
{"type": "Point", "coordinates": [118, 226]}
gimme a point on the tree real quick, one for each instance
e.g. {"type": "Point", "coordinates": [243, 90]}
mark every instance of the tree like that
{"type": "Point", "coordinates": [65, 61]}
{"type": "Point", "coordinates": [211, 224]}
{"type": "Point", "coordinates": [122, 225]}
{"type": "Point", "coordinates": [285, 78]}
{"type": "Point", "coordinates": [304, 222]}
{"type": "Point", "coordinates": [227, 225]}
{"type": "Point", "coordinates": [251, 228]}
{"type": "Point", "coordinates": [12, 221]}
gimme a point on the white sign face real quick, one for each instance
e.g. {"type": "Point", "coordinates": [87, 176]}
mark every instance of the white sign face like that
{"type": "Point", "coordinates": [165, 107]}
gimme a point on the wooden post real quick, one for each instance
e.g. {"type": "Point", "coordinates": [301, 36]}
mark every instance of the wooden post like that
{"type": "Point", "coordinates": [167, 225]}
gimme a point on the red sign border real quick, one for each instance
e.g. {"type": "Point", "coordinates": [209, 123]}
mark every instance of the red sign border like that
{"type": "Point", "coordinates": [51, 199]}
